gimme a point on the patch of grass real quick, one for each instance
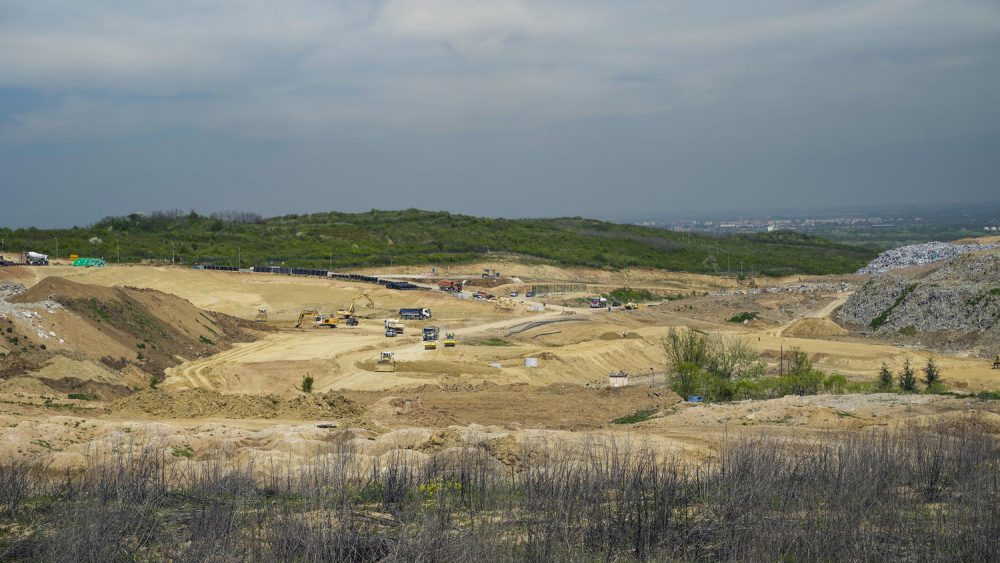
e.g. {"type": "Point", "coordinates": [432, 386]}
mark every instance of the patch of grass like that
{"type": "Point", "coordinates": [884, 315]}
{"type": "Point", "coordinates": [745, 316]}
{"type": "Point", "coordinates": [185, 451]}
{"type": "Point", "coordinates": [83, 396]}
{"type": "Point", "coordinates": [491, 342]}
{"type": "Point", "coordinates": [204, 340]}
{"type": "Point", "coordinates": [638, 416]}
{"type": "Point", "coordinates": [908, 331]}
{"type": "Point", "coordinates": [626, 294]}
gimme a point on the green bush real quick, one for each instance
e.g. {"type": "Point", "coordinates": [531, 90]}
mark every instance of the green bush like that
{"type": "Point", "coordinates": [637, 416]}
{"type": "Point", "coordinates": [307, 383]}
{"type": "Point", "coordinates": [745, 316]}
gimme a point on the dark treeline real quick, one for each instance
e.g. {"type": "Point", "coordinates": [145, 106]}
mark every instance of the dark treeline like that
{"type": "Point", "coordinates": [337, 240]}
{"type": "Point", "coordinates": [915, 495]}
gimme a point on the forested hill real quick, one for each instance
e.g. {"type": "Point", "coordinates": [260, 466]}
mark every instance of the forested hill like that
{"type": "Point", "coordinates": [346, 240]}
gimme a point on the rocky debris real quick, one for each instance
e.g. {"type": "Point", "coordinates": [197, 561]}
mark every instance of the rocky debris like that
{"type": "Point", "coordinates": [919, 254]}
{"type": "Point", "coordinates": [822, 287]}
{"type": "Point", "coordinates": [9, 289]}
{"type": "Point", "coordinates": [958, 303]}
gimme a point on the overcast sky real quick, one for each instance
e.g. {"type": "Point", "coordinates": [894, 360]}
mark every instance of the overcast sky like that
{"type": "Point", "coordinates": [514, 108]}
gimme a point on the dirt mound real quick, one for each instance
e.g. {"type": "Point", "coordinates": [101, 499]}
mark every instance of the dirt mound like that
{"type": "Point", "coordinates": [123, 326]}
{"type": "Point", "coordinates": [814, 328]}
{"type": "Point", "coordinates": [195, 403]}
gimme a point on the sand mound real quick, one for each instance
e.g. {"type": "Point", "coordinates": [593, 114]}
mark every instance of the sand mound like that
{"type": "Point", "coordinates": [814, 328]}
{"type": "Point", "coordinates": [201, 402]}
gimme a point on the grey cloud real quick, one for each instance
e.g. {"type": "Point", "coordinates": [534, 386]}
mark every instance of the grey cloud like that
{"type": "Point", "coordinates": [653, 97]}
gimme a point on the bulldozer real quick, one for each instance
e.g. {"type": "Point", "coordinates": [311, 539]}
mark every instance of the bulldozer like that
{"type": "Point", "coordinates": [386, 362]}
{"type": "Point", "coordinates": [631, 305]}
{"type": "Point", "coordinates": [449, 340]}
{"type": "Point", "coordinates": [261, 316]}
{"type": "Point", "coordinates": [996, 362]}
{"type": "Point", "coordinates": [348, 314]}
{"type": "Point", "coordinates": [306, 313]}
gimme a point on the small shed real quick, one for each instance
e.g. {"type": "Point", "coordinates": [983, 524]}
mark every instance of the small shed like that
{"type": "Point", "coordinates": [618, 379]}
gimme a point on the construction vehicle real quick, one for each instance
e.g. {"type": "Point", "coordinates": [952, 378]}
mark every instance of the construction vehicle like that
{"type": "Point", "coordinates": [328, 321]}
{"type": "Point", "coordinates": [449, 340]}
{"type": "Point", "coordinates": [514, 294]}
{"type": "Point", "coordinates": [261, 316]}
{"type": "Point", "coordinates": [349, 312]}
{"type": "Point", "coordinates": [450, 286]}
{"type": "Point", "coordinates": [415, 314]}
{"type": "Point", "coordinates": [306, 313]}
{"type": "Point", "coordinates": [36, 259]}
{"type": "Point", "coordinates": [996, 363]}
{"type": "Point", "coordinates": [598, 302]}
{"type": "Point", "coordinates": [631, 305]}
{"type": "Point", "coordinates": [490, 273]}
{"type": "Point", "coordinates": [386, 362]}
{"type": "Point", "coordinates": [393, 327]}
{"type": "Point", "coordinates": [431, 333]}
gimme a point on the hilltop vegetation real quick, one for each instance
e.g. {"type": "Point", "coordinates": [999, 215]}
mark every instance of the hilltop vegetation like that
{"type": "Point", "coordinates": [374, 238]}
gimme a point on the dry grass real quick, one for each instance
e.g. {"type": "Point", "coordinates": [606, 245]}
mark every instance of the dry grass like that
{"type": "Point", "coordinates": [917, 495]}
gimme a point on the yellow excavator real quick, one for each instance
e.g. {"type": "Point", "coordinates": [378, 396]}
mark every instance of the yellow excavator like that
{"type": "Point", "coordinates": [996, 363]}
{"type": "Point", "coordinates": [348, 314]}
{"type": "Point", "coordinates": [328, 321]}
{"type": "Point", "coordinates": [306, 313]}
{"type": "Point", "coordinates": [261, 316]}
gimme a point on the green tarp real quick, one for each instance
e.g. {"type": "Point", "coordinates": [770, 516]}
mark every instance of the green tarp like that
{"type": "Point", "coordinates": [88, 262]}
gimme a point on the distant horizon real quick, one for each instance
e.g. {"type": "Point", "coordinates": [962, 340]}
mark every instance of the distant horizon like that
{"type": "Point", "coordinates": [982, 208]}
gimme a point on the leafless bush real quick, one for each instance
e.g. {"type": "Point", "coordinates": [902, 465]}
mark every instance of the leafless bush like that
{"type": "Point", "coordinates": [923, 494]}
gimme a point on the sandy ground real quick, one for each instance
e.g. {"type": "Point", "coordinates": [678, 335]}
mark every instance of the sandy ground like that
{"type": "Point", "coordinates": [447, 397]}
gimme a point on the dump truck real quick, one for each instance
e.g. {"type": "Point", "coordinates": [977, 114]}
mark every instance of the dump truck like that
{"type": "Point", "coordinates": [261, 316]}
{"type": "Point", "coordinates": [431, 333]}
{"type": "Point", "coordinates": [449, 286]}
{"type": "Point", "coordinates": [394, 326]}
{"type": "Point", "coordinates": [415, 314]}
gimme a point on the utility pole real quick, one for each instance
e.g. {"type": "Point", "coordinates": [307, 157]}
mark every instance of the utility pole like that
{"type": "Point", "coordinates": [57, 247]}
{"type": "Point", "coordinates": [173, 256]}
{"type": "Point", "coordinates": [118, 251]}
{"type": "Point", "coordinates": [239, 257]}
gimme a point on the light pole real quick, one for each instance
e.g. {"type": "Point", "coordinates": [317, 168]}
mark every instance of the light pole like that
{"type": "Point", "coordinates": [173, 259]}
{"type": "Point", "coordinates": [118, 252]}
{"type": "Point", "coordinates": [57, 247]}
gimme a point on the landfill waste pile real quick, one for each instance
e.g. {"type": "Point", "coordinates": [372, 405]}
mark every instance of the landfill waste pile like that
{"type": "Point", "coordinates": [957, 305]}
{"type": "Point", "coordinates": [918, 254]}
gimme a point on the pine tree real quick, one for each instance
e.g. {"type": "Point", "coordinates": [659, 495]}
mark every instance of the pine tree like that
{"type": "Point", "coordinates": [885, 378]}
{"type": "Point", "coordinates": [907, 379]}
{"type": "Point", "coordinates": [932, 376]}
